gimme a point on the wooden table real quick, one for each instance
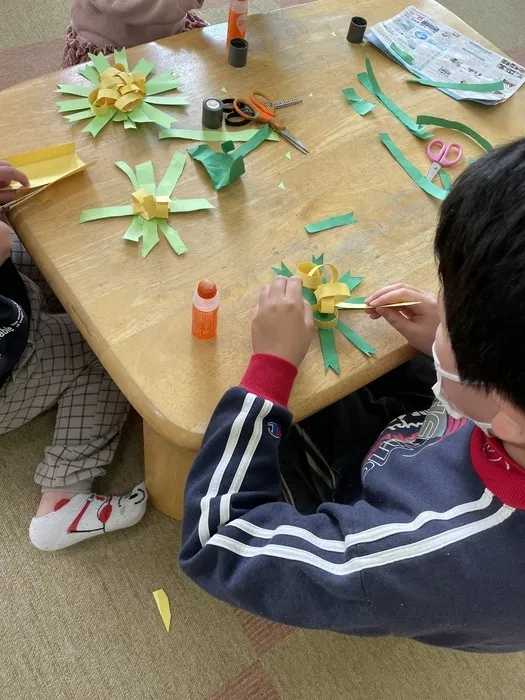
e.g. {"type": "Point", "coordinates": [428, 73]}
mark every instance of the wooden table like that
{"type": "Point", "coordinates": [135, 313]}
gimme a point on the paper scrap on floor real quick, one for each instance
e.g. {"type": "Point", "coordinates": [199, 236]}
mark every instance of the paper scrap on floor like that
{"type": "Point", "coordinates": [438, 52]}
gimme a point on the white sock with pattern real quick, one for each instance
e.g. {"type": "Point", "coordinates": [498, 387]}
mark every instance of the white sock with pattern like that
{"type": "Point", "coordinates": [87, 515]}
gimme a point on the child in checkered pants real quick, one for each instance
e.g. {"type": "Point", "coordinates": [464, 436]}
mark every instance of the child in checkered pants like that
{"type": "Point", "coordinates": [45, 363]}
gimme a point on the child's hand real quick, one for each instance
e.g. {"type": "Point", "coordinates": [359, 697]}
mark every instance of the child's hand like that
{"type": "Point", "coordinates": [418, 324]}
{"type": "Point", "coordinates": [283, 323]}
{"type": "Point", "coordinates": [6, 242]}
{"type": "Point", "coordinates": [7, 175]}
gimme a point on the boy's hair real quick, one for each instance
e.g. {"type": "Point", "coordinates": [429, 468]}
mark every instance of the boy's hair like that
{"type": "Point", "coordinates": [480, 246]}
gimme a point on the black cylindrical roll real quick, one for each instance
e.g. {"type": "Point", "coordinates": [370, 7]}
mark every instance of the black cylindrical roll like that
{"type": "Point", "coordinates": [212, 113]}
{"type": "Point", "coordinates": [238, 54]}
{"type": "Point", "coordinates": [356, 30]}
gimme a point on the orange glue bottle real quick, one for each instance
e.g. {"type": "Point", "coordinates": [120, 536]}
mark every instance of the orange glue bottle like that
{"type": "Point", "coordinates": [205, 310]}
{"type": "Point", "coordinates": [237, 20]}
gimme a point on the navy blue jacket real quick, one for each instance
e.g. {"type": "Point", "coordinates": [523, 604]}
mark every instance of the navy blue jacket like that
{"type": "Point", "coordinates": [434, 550]}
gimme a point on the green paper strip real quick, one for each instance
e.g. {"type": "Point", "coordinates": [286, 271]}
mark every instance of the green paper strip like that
{"type": "Point", "coordinates": [78, 116]}
{"type": "Point", "coordinates": [283, 270]}
{"type": "Point", "coordinates": [173, 237]}
{"type": "Point", "coordinates": [121, 57]}
{"type": "Point", "coordinates": [178, 206]}
{"type": "Point", "coordinates": [162, 77]}
{"type": "Point", "coordinates": [74, 90]}
{"type": "Point", "coordinates": [146, 176]}
{"type": "Point", "coordinates": [167, 100]}
{"type": "Point", "coordinates": [471, 160]}
{"type": "Point", "coordinates": [358, 104]}
{"type": "Point", "coordinates": [73, 105]}
{"type": "Point", "coordinates": [213, 136]}
{"type": "Point", "coordinates": [456, 126]}
{"type": "Point", "coordinates": [319, 260]}
{"type": "Point", "coordinates": [144, 67]}
{"type": "Point", "coordinates": [128, 170]}
{"type": "Point", "coordinates": [172, 175]}
{"type": "Point", "coordinates": [150, 236]}
{"type": "Point", "coordinates": [163, 86]}
{"type": "Point", "coordinates": [90, 74]}
{"type": "Point", "coordinates": [309, 296]}
{"type": "Point", "coordinates": [330, 358]}
{"type": "Point", "coordinates": [129, 124]}
{"type": "Point", "coordinates": [98, 123]}
{"type": "Point", "coordinates": [445, 178]}
{"type": "Point", "coordinates": [261, 135]}
{"type": "Point", "coordinates": [468, 87]}
{"type": "Point", "coordinates": [332, 222]}
{"type": "Point", "coordinates": [134, 232]}
{"type": "Point", "coordinates": [356, 339]}
{"type": "Point", "coordinates": [352, 300]}
{"type": "Point", "coordinates": [226, 147]}
{"type": "Point", "coordinates": [407, 58]}
{"type": "Point", "coordinates": [148, 113]}
{"type": "Point", "coordinates": [100, 62]}
{"type": "Point", "coordinates": [369, 81]}
{"type": "Point", "coordinates": [351, 282]}
{"type": "Point", "coordinates": [105, 213]}
{"type": "Point", "coordinates": [411, 170]}
{"type": "Point", "coordinates": [120, 116]}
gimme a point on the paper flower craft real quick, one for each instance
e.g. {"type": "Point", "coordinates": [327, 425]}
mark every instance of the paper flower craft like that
{"type": "Point", "coordinates": [325, 297]}
{"type": "Point", "coordinates": [120, 95]}
{"type": "Point", "coordinates": [151, 205]}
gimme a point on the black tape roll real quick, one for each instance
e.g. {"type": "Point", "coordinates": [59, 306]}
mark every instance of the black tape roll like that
{"type": "Point", "coordinates": [356, 30]}
{"type": "Point", "coordinates": [238, 53]}
{"type": "Point", "coordinates": [212, 109]}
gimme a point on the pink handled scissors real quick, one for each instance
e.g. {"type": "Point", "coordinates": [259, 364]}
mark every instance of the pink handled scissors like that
{"type": "Point", "coordinates": [442, 156]}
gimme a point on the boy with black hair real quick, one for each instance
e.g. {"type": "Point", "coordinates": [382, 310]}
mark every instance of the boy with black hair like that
{"type": "Point", "coordinates": [430, 545]}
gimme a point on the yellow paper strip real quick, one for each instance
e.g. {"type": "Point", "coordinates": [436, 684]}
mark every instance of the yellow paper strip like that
{"type": "Point", "coordinates": [163, 604]}
{"type": "Point", "coordinates": [47, 165]}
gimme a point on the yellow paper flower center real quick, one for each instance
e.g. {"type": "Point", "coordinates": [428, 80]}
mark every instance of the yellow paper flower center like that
{"type": "Point", "coordinates": [118, 90]}
{"type": "Point", "coordinates": [328, 294]}
{"type": "Point", "coordinates": [150, 207]}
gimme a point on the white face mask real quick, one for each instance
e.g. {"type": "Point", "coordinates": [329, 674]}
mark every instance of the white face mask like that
{"type": "Point", "coordinates": [449, 407]}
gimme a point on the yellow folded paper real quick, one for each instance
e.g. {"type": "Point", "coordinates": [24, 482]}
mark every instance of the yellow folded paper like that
{"type": "Point", "coordinates": [163, 605]}
{"type": "Point", "coordinates": [328, 294]}
{"type": "Point", "coordinates": [47, 165]}
{"type": "Point", "coordinates": [150, 207]}
{"type": "Point", "coordinates": [120, 90]}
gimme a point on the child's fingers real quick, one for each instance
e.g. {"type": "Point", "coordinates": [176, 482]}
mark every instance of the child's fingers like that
{"type": "Point", "coordinates": [390, 288]}
{"type": "Point", "coordinates": [396, 319]}
{"type": "Point", "coordinates": [308, 315]}
{"type": "Point", "coordinates": [294, 289]}
{"type": "Point", "coordinates": [278, 288]}
{"type": "Point", "coordinates": [9, 174]}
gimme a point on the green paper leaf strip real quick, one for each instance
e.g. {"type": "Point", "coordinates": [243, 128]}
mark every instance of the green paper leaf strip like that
{"type": "Point", "coordinates": [143, 177]}
{"type": "Point", "coordinates": [369, 81]}
{"type": "Point", "coordinates": [411, 170]}
{"type": "Point", "coordinates": [145, 112]}
{"type": "Point", "coordinates": [456, 126]}
{"type": "Point", "coordinates": [404, 55]}
{"type": "Point", "coordinates": [445, 178]}
{"type": "Point", "coordinates": [332, 222]}
{"type": "Point", "coordinates": [213, 136]}
{"type": "Point", "coordinates": [283, 270]}
{"type": "Point", "coordinates": [358, 104]}
{"type": "Point", "coordinates": [329, 350]}
{"type": "Point", "coordinates": [466, 87]}
{"type": "Point", "coordinates": [355, 339]}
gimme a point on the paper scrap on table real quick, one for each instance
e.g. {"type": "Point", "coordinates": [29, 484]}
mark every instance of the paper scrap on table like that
{"type": "Point", "coordinates": [214, 136]}
{"type": "Point", "coordinates": [310, 94]}
{"type": "Point", "coordinates": [456, 126]}
{"type": "Point", "coordinates": [468, 87]}
{"type": "Point", "coordinates": [281, 186]}
{"type": "Point", "coordinates": [332, 222]}
{"type": "Point", "coordinates": [227, 166]}
{"type": "Point", "coordinates": [369, 81]}
{"type": "Point", "coordinates": [411, 170]}
{"type": "Point", "coordinates": [334, 34]}
{"type": "Point", "coordinates": [288, 155]}
{"type": "Point", "coordinates": [445, 178]}
{"type": "Point", "coordinates": [47, 165]}
{"type": "Point", "coordinates": [163, 605]}
{"type": "Point", "coordinates": [358, 104]}
{"type": "Point", "coordinates": [150, 205]}
{"type": "Point", "coordinates": [223, 89]}
{"type": "Point", "coordinates": [324, 298]}
{"type": "Point", "coordinates": [119, 94]}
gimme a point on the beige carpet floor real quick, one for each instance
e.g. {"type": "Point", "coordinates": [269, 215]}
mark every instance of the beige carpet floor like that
{"type": "Point", "coordinates": [82, 624]}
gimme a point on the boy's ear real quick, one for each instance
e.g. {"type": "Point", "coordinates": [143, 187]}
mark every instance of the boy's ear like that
{"type": "Point", "coordinates": [509, 423]}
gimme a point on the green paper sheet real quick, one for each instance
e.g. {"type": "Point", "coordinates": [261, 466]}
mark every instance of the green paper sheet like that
{"type": "Point", "coordinates": [469, 87]}
{"type": "Point", "coordinates": [73, 105]}
{"type": "Point", "coordinates": [172, 175]}
{"type": "Point", "coordinates": [288, 155]}
{"type": "Point", "coordinates": [332, 222]}
{"type": "Point", "coordinates": [281, 186]}
{"type": "Point", "coordinates": [358, 104]}
{"type": "Point", "coordinates": [144, 67]}
{"type": "Point", "coordinates": [411, 170]}
{"type": "Point", "coordinates": [407, 58]}
{"type": "Point", "coordinates": [90, 74]}
{"type": "Point", "coordinates": [214, 136]}
{"type": "Point", "coordinates": [148, 113]}
{"type": "Point", "coordinates": [121, 57]}
{"type": "Point", "coordinates": [146, 176]}
{"type": "Point", "coordinates": [369, 81]}
{"type": "Point", "coordinates": [222, 168]}
{"type": "Point", "coordinates": [166, 100]}
{"type": "Point", "coordinates": [134, 231]}
{"type": "Point", "coordinates": [105, 213]}
{"type": "Point", "coordinates": [121, 116]}
{"type": "Point", "coordinates": [74, 90]}
{"type": "Point", "coordinates": [283, 270]}
{"type": "Point", "coordinates": [261, 135]}
{"type": "Point", "coordinates": [445, 178]}
{"type": "Point", "coordinates": [172, 237]}
{"type": "Point", "coordinates": [351, 282]}
{"type": "Point", "coordinates": [162, 86]}
{"type": "Point", "coordinates": [330, 358]}
{"type": "Point", "coordinates": [355, 339]}
{"type": "Point", "coordinates": [456, 126]}
{"type": "Point", "coordinates": [86, 114]}
{"type": "Point", "coordinates": [150, 236]}
{"type": "Point", "coordinates": [128, 170]}
{"type": "Point", "coordinates": [100, 62]}
{"type": "Point", "coordinates": [98, 123]}
{"type": "Point", "coordinates": [180, 206]}
{"type": "Point", "coordinates": [166, 75]}
{"type": "Point", "coordinates": [129, 124]}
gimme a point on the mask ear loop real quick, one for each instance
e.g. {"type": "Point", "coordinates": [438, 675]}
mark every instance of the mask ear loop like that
{"type": "Point", "coordinates": [440, 370]}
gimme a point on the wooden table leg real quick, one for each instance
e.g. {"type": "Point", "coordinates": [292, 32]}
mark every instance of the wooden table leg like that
{"type": "Point", "coordinates": [166, 466]}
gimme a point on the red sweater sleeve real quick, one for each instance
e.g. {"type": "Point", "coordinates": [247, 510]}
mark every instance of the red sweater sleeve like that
{"type": "Point", "coordinates": [270, 377]}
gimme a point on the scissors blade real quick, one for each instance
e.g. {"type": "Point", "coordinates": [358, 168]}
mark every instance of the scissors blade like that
{"type": "Point", "coordinates": [293, 140]}
{"type": "Point", "coordinates": [279, 104]}
{"type": "Point", "coordinates": [433, 171]}
{"type": "Point", "coordinates": [16, 202]}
